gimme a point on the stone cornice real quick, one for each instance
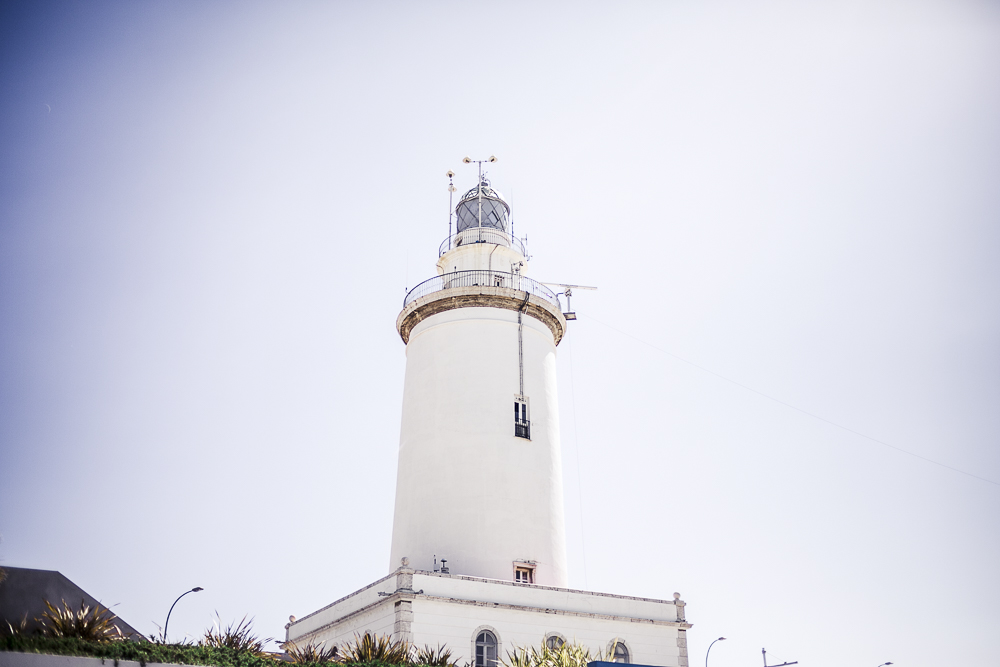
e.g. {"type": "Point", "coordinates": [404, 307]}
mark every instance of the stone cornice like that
{"type": "Point", "coordinates": [420, 595]}
{"type": "Point", "coordinates": [481, 296]}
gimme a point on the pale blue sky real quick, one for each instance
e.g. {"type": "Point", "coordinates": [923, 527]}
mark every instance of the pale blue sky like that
{"type": "Point", "coordinates": [209, 214]}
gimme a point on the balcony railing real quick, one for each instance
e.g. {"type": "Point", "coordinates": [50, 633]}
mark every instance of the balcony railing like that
{"type": "Point", "coordinates": [522, 429]}
{"type": "Point", "coordinates": [481, 235]}
{"type": "Point", "coordinates": [480, 278]}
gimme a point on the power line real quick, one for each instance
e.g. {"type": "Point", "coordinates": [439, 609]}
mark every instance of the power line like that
{"type": "Point", "coordinates": [789, 405]}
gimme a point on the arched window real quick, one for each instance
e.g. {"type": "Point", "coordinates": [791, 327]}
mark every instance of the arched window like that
{"type": "Point", "coordinates": [486, 649]}
{"type": "Point", "coordinates": [554, 642]}
{"type": "Point", "coordinates": [620, 652]}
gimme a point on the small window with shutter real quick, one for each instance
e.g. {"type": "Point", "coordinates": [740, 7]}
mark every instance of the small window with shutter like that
{"type": "Point", "coordinates": [522, 425]}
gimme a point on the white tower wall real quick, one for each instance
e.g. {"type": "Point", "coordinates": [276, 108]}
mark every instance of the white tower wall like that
{"type": "Point", "coordinates": [482, 257]}
{"type": "Point", "coordinates": [467, 489]}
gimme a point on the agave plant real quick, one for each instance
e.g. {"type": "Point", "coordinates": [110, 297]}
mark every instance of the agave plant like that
{"type": "Point", "coordinates": [236, 636]}
{"type": "Point", "coordinates": [439, 657]}
{"type": "Point", "coordinates": [376, 648]}
{"type": "Point", "coordinates": [21, 628]}
{"type": "Point", "coordinates": [565, 655]}
{"type": "Point", "coordinates": [96, 625]}
{"type": "Point", "coordinates": [526, 656]}
{"type": "Point", "coordinates": [310, 653]}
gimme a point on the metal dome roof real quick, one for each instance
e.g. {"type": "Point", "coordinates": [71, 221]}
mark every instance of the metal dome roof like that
{"type": "Point", "coordinates": [488, 191]}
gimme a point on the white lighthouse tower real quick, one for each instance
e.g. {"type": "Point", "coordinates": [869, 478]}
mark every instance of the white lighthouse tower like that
{"type": "Point", "coordinates": [479, 485]}
{"type": "Point", "coordinates": [478, 557]}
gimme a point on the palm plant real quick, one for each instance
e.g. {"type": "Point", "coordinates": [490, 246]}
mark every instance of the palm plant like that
{"type": "Point", "coordinates": [21, 628]}
{"type": "Point", "coordinates": [566, 655]}
{"type": "Point", "coordinates": [97, 624]}
{"type": "Point", "coordinates": [525, 656]}
{"type": "Point", "coordinates": [376, 648]}
{"type": "Point", "coordinates": [236, 636]}
{"type": "Point", "coordinates": [439, 657]}
{"type": "Point", "coordinates": [310, 653]}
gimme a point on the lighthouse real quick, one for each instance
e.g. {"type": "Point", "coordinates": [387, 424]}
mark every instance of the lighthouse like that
{"type": "Point", "coordinates": [478, 555]}
{"type": "Point", "coordinates": [479, 484]}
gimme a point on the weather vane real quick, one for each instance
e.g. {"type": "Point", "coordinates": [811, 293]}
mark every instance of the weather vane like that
{"type": "Point", "coordinates": [479, 186]}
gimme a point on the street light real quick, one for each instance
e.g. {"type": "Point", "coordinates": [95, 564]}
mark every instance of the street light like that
{"type": "Point", "coordinates": [193, 590]}
{"type": "Point", "coordinates": [720, 639]}
{"type": "Point", "coordinates": [884, 664]}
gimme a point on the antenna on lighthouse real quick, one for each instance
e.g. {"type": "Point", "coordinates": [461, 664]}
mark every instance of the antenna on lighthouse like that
{"type": "Point", "coordinates": [512, 214]}
{"type": "Point", "coordinates": [479, 187]}
{"type": "Point", "coordinates": [568, 291]}
{"type": "Point", "coordinates": [451, 192]}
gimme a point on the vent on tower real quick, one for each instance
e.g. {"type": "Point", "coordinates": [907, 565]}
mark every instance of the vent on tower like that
{"type": "Point", "coordinates": [522, 426]}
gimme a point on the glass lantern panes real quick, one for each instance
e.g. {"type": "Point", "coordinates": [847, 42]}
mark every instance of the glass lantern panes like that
{"type": "Point", "coordinates": [495, 214]}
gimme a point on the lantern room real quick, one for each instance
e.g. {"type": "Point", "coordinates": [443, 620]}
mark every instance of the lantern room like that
{"type": "Point", "coordinates": [482, 206]}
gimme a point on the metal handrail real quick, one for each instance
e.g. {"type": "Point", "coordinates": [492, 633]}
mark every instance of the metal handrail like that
{"type": "Point", "coordinates": [481, 235]}
{"type": "Point", "coordinates": [481, 278]}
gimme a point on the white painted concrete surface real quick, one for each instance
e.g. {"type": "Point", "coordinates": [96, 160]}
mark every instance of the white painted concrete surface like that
{"type": "Point", "coordinates": [467, 489]}
{"type": "Point", "coordinates": [431, 608]}
{"type": "Point", "coordinates": [482, 257]}
{"type": "Point", "coordinates": [363, 608]}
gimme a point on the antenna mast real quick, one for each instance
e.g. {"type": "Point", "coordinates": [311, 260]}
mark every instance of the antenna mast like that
{"type": "Point", "coordinates": [451, 191]}
{"type": "Point", "coordinates": [479, 186]}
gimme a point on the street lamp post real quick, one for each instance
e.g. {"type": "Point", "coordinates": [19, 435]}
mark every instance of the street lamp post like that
{"type": "Point", "coordinates": [884, 664]}
{"type": "Point", "coordinates": [193, 590]}
{"type": "Point", "coordinates": [720, 639]}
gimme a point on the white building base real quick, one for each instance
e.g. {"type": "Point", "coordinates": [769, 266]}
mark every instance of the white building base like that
{"type": "Point", "coordinates": [433, 608]}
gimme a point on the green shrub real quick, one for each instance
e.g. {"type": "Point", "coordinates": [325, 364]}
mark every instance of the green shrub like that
{"type": "Point", "coordinates": [439, 657]}
{"type": "Point", "coordinates": [376, 648]}
{"type": "Point", "coordinates": [237, 637]}
{"type": "Point", "coordinates": [96, 625]}
{"type": "Point", "coordinates": [566, 655]}
{"type": "Point", "coordinates": [157, 652]}
{"type": "Point", "coordinates": [141, 652]}
{"type": "Point", "coordinates": [310, 653]}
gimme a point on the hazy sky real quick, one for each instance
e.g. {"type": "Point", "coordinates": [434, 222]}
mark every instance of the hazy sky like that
{"type": "Point", "coordinates": [211, 213]}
